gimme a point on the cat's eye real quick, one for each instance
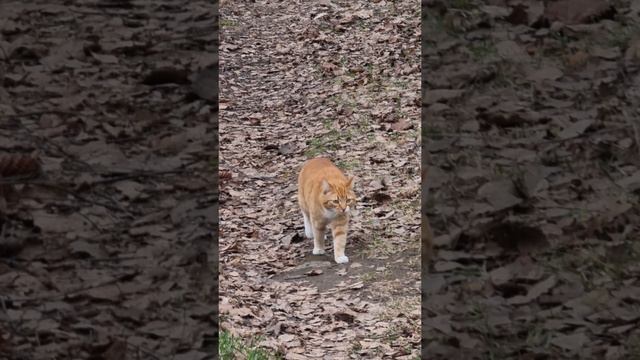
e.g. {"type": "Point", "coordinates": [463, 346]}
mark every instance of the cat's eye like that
{"type": "Point", "coordinates": [351, 201]}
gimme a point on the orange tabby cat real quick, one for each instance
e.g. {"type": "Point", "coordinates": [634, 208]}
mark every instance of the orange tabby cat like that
{"type": "Point", "coordinates": [326, 197]}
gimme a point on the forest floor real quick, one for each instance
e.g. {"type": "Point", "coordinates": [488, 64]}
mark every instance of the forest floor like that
{"type": "Point", "coordinates": [532, 124]}
{"type": "Point", "coordinates": [305, 79]}
{"type": "Point", "coordinates": [107, 254]}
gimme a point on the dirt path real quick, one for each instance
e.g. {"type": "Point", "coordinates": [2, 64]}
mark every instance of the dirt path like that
{"type": "Point", "coordinates": [535, 174]}
{"type": "Point", "coordinates": [300, 80]}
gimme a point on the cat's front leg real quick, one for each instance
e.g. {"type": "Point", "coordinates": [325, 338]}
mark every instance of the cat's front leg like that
{"type": "Point", "coordinates": [339, 232]}
{"type": "Point", "coordinates": [318, 237]}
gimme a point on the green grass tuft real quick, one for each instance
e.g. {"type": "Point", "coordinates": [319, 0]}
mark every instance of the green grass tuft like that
{"type": "Point", "coordinates": [331, 141]}
{"type": "Point", "coordinates": [347, 164]}
{"type": "Point", "coordinates": [227, 23]}
{"type": "Point", "coordinates": [231, 348]}
{"type": "Point", "coordinates": [483, 50]}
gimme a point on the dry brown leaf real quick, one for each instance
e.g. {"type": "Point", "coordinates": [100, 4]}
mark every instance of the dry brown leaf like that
{"type": "Point", "coordinates": [573, 342]}
{"type": "Point", "coordinates": [576, 11]}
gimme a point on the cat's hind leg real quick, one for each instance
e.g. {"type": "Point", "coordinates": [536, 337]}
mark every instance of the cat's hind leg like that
{"type": "Point", "coordinates": [308, 230]}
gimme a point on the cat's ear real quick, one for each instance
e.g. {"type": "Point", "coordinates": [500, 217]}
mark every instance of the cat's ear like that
{"type": "Point", "coordinates": [325, 186]}
{"type": "Point", "coordinates": [350, 181]}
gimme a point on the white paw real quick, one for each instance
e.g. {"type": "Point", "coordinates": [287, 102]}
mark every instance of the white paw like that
{"type": "Point", "coordinates": [342, 259]}
{"type": "Point", "coordinates": [318, 251]}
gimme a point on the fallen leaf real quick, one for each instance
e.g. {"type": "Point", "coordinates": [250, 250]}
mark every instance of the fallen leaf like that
{"type": "Point", "coordinates": [500, 194]}
{"type": "Point", "coordinates": [545, 73]}
{"type": "Point", "coordinates": [105, 293]}
{"type": "Point", "coordinates": [575, 129]}
{"type": "Point", "coordinates": [500, 276]}
{"type": "Point", "coordinates": [534, 292]}
{"type": "Point", "coordinates": [344, 316]}
{"type": "Point", "coordinates": [401, 125]}
{"type": "Point", "coordinates": [314, 272]}
{"type": "Point", "coordinates": [576, 11]}
{"type": "Point", "coordinates": [59, 223]}
{"type": "Point", "coordinates": [612, 53]}
{"type": "Point", "coordinates": [87, 249]}
{"type": "Point", "coordinates": [509, 49]}
{"type": "Point", "coordinates": [572, 342]}
{"type": "Point", "coordinates": [105, 58]}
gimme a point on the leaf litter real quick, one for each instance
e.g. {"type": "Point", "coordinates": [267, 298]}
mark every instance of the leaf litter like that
{"type": "Point", "coordinates": [105, 170]}
{"type": "Point", "coordinates": [299, 80]}
{"type": "Point", "coordinates": [533, 151]}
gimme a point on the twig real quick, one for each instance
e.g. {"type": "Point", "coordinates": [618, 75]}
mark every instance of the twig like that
{"type": "Point", "coordinates": [70, 292]}
{"type": "Point", "coordinates": [294, 277]}
{"type": "Point", "coordinates": [226, 248]}
{"type": "Point", "coordinates": [13, 180]}
{"type": "Point", "coordinates": [609, 177]}
{"type": "Point", "coordinates": [142, 173]}
{"type": "Point", "coordinates": [83, 198]}
{"type": "Point", "coordinates": [47, 183]}
{"type": "Point", "coordinates": [34, 113]}
{"type": "Point", "coordinates": [114, 259]}
{"type": "Point", "coordinates": [570, 209]}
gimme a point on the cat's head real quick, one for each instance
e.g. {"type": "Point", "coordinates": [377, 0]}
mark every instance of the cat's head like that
{"type": "Point", "coordinates": [338, 196]}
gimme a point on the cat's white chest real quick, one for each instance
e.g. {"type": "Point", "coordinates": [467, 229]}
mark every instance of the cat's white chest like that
{"type": "Point", "coordinates": [330, 214]}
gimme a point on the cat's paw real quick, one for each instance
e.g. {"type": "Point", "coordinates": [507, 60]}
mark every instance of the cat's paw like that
{"type": "Point", "coordinates": [318, 252]}
{"type": "Point", "coordinates": [342, 259]}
